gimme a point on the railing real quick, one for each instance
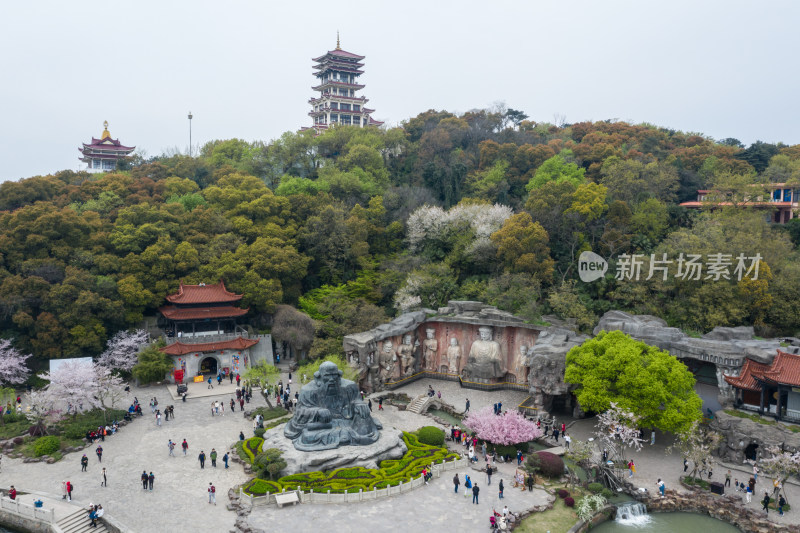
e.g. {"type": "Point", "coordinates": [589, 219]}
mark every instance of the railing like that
{"type": "Point", "coordinates": [354, 497]}
{"type": "Point", "coordinates": [27, 510]}
{"type": "Point", "coordinates": [446, 376]}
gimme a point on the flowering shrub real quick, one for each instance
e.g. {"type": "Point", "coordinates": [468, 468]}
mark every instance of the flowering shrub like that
{"type": "Point", "coordinates": [509, 428]}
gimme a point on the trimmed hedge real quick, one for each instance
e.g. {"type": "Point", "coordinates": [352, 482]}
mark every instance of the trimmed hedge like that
{"type": "Point", "coordinates": [595, 487]}
{"type": "Point", "coordinates": [269, 413]}
{"type": "Point", "coordinates": [430, 435]}
{"type": "Point", "coordinates": [252, 447]}
{"type": "Point", "coordinates": [351, 479]}
{"type": "Point", "coordinates": [569, 501]}
{"type": "Point", "coordinates": [563, 493]}
{"type": "Point", "coordinates": [46, 446]}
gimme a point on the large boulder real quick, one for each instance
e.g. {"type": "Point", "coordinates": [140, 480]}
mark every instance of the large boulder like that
{"type": "Point", "coordinates": [740, 434]}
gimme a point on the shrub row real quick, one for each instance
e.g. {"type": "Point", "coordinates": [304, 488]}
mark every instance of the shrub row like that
{"type": "Point", "coordinates": [353, 479]}
{"type": "Point", "coordinates": [252, 447]}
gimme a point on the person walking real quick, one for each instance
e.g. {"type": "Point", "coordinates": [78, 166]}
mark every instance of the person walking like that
{"type": "Point", "coordinates": [233, 405]}
{"type": "Point", "coordinates": [241, 403]}
{"type": "Point", "coordinates": [171, 448]}
{"type": "Point", "coordinates": [765, 502]}
{"type": "Point", "coordinates": [213, 456]}
{"type": "Point", "coordinates": [661, 488]}
{"type": "Point", "coordinates": [99, 452]}
{"type": "Point", "coordinates": [631, 468]}
{"type": "Point", "coordinates": [519, 457]}
{"type": "Point", "coordinates": [755, 473]}
{"type": "Point", "coordinates": [84, 463]}
{"type": "Point", "coordinates": [219, 379]}
{"type": "Point", "coordinates": [488, 475]}
{"type": "Point", "coordinates": [144, 478]}
{"type": "Point", "coordinates": [685, 465]}
{"type": "Point", "coordinates": [69, 491]}
{"type": "Point", "coordinates": [752, 485]}
{"type": "Point", "coordinates": [466, 409]}
{"type": "Point", "coordinates": [202, 459]}
{"type": "Point", "coordinates": [475, 492]}
{"type": "Point", "coordinates": [104, 483]}
{"type": "Point", "coordinates": [212, 494]}
{"type": "Point", "coordinates": [529, 482]}
{"type": "Point", "coordinates": [150, 479]}
{"type": "Point", "coordinates": [555, 434]}
{"type": "Point", "coordinates": [210, 386]}
{"type": "Point", "coordinates": [456, 482]}
{"type": "Point", "coordinates": [238, 379]}
{"type": "Point", "coordinates": [369, 404]}
{"type": "Point", "coordinates": [728, 478]}
{"type": "Point", "coordinates": [158, 418]}
{"type": "Point", "coordinates": [781, 504]}
{"type": "Point", "coordinates": [748, 496]}
{"type": "Point", "coordinates": [500, 488]}
{"type": "Point", "coordinates": [225, 459]}
{"type": "Point", "coordinates": [380, 404]}
{"type": "Point", "coordinates": [185, 447]}
{"type": "Point", "coordinates": [567, 440]}
{"type": "Point", "coordinates": [652, 437]}
{"type": "Point", "coordinates": [230, 375]}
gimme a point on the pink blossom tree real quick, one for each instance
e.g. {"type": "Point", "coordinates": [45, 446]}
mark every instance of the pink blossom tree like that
{"type": "Point", "coordinates": [505, 429]}
{"type": "Point", "coordinates": [13, 370]}
{"type": "Point", "coordinates": [122, 350]}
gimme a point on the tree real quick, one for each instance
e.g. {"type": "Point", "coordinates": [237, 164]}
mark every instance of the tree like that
{"type": "Point", "coordinates": [43, 410]}
{"type": "Point", "coordinates": [614, 368]}
{"type": "Point", "coordinates": [618, 430]}
{"type": "Point", "coordinates": [557, 169]}
{"type": "Point", "coordinates": [697, 445]}
{"type": "Point", "coordinates": [121, 350]}
{"type": "Point", "coordinates": [293, 327]}
{"type": "Point", "coordinates": [306, 372]}
{"type": "Point", "coordinates": [567, 304]}
{"type": "Point", "coordinates": [110, 388]}
{"type": "Point", "coordinates": [153, 365]}
{"type": "Point", "coordinates": [504, 429]}
{"type": "Point", "coordinates": [780, 463]}
{"type": "Point", "coordinates": [12, 364]}
{"type": "Point", "coordinates": [73, 384]}
{"type": "Point", "coordinates": [522, 245]}
{"type": "Point", "coordinates": [264, 376]}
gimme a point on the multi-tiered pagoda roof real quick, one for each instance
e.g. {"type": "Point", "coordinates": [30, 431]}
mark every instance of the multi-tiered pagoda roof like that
{"type": "Point", "coordinates": [102, 154]}
{"type": "Point", "coordinates": [198, 308]}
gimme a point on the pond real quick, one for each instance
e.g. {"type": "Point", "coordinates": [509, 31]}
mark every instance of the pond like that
{"type": "Point", "coordinates": [669, 523]}
{"type": "Point", "coordinates": [447, 417]}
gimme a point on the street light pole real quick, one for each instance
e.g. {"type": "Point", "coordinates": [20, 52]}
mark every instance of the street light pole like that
{"type": "Point", "coordinates": [190, 133]}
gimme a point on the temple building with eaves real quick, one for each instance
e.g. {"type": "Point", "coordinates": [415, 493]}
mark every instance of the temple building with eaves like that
{"type": "Point", "coordinates": [103, 154]}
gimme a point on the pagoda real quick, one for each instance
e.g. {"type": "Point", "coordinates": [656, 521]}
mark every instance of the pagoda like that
{"type": "Point", "coordinates": [198, 310]}
{"type": "Point", "coordinates": [102, 154]}
{"type": "Point", "coordinates": [337, 103]}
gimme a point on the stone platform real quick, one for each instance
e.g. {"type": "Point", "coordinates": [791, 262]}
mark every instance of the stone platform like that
{"type": "Point", "coordinates": [390, 445]}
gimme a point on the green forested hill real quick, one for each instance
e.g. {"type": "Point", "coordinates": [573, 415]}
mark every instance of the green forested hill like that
{"type": "Point", "coordinates": [333, 225]}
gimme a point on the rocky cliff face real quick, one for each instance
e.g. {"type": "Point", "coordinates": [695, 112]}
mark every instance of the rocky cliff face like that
{"type": "Point", "coordinates": [741, 433]}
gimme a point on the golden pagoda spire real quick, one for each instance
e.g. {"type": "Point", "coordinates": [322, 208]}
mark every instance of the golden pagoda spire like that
{"type": "Point", "coordinates": [106, 134]}
{"type": "Point", "coordinates": [337, 41]}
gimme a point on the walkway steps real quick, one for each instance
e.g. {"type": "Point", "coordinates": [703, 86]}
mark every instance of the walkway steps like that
{"type": "Point", "coordinates": [415, 406]}
{"type": "Point", "coordinates": [78, 522]}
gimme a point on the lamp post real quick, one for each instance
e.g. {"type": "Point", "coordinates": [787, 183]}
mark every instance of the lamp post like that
{"type": "Point", "coordinates": [190, 134]}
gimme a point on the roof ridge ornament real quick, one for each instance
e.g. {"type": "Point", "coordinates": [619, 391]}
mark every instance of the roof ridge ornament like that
{"type": "Point", "coordinates": [338, 47]}
{"type": "Point", "coordinates": [106, 134]}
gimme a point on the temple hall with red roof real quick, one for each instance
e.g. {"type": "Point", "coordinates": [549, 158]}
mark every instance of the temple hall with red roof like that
{"type": "Point", "coordinates": [772, 388]}
{"type": "Point", "coordinates": [102, 155]}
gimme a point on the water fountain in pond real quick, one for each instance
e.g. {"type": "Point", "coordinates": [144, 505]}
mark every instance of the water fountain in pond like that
{"type": "Point", "coordinates": [632, 514]}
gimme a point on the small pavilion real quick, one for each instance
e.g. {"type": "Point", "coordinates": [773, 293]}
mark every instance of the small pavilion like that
{"type": "Point", "coordinates": [102, 155]}
{"type": "Point", "coordinates": [772, 388]}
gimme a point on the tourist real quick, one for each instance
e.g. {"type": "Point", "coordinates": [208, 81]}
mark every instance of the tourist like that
{"type": "Point", "coordinates": [171, 448]}
{"type": "Point", "coordinates": [184, 446]}
{"type": "Point", "coordinates": [499, 408]}
{"type": "Point", "coordinates": [685, 465]}
{"type": "Point", "coordinates": [202, 459]}
{"type": "Point", "coordinates": [230, 375]}
{"type": "Point", "coordinates": [500, 489]}
{"type": "Point", "coordinates": [466, 409]}
{"type": "Point", "coordinates": [241, 404]}
{"type": "Point", "coordinates": [144, 477]}
{"type": "Point", "coordinates": [63, 490]}
{"type": "Point", "coordinates": [631, 468]}
{"type": "Point", "coordinates": [748, 494]}
{"type": "Point", "coordinates": [475, 491]}
{"type": "Point", "coordinates": [369, 404]}
{"type": "Point", "coordinates": [210, 386]}
{"type": "Point", "coordinates": [660, 485]}
{"type": "Point", "coordinates": [212, 494]}
{"type": "Point", "coordinates": [241, 433]}
{"type": "Point", "coordinates": [225, 459]}
{"type": "Point", "coordinates": [150, 479]}
{"type": "Point", "coordinates": [233, 405]}
{"type": "Point", "coordinates": [529, 482]}
{"type": "Point", "coordinates": [752, 485]}
{"type": "Point", "coordinates": [158, 418]}
{"type": "Point", "coordinates": [92, 516]}
{"type": "Point", "coordinates": [728, 478]}
{"type": "Point", "coordinates": [489, 475]}
{"type": "Point", "coordinates": [755, 473]}
{"type": "Point", "coordinates": [776, 488]}
{"type": "Point", "coordinates": [99, 452]}
{"type": "Point", "coordinates": [555, 434]}
{"type": "Point", "coordinates": [472, 455]}
{"type": "Point", "coordinates": [425, 475]}
{"type": "Point", "coordinates": [84, 463]}
{"type": "Point", "coordinates": [380, 404]}
{"type": "Point", "coordinates": [567, 440]}
{"type": "Point", "coordinates": [710, 471]}
{"type": "Point", "coordinates": [563, 427]}
{"type": "Point", "coordinates": [605, 458]}
{"type": "Point", "coordinates": [467, 485]}
{"type": "Point", "coordinates": [781, 504]}
{"type": "Point", "coordinates": [104, 483]}
{"type": "Point", "coordinates": [219, 379]}
{"type": "Point", "coordinates": [238, 379]}
{"type": "Point", "coordinates": [736, 484]}
{"type": "Point", "coordinates": [519, 457]}
{"type": "Point", "coordinates": [213, 456]}
{"type": "Point", "coordinates": [456, 482]}
{"type": "Point", "coordinates": [765, 502]}
{"type": "Point", "coordinates": [494, 408]}
{"type": "Point", "coordinates": [12, 493]}
{"type": "Point", "coordinates": [213, 408]}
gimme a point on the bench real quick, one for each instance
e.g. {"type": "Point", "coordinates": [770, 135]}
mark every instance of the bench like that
{"type": "Point", "coordinates": [286, 497]}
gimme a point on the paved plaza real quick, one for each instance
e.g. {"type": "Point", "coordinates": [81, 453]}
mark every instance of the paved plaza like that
{"type": "Point", "coordinates": [179, 499]}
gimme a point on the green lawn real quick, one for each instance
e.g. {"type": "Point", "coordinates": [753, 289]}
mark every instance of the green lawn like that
{"type": "Point", "coordinates": [558, 519]}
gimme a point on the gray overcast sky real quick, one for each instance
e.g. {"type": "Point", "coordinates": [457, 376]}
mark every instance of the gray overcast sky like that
{"type": "Point", "coordinates": [721, 68]}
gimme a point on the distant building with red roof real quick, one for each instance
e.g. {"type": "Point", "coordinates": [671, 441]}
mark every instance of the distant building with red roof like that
{"type": "Point", "coordinates": [102, 155]}
{"type": "Point", "coordinates": [197, 310]}
{"type": "Point", "coordinates": [337, 103]}
{"type": "Point", "coordinates": [773, 388]}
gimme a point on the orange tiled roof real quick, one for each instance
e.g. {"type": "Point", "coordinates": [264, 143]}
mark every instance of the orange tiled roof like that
{"type": "Point", "coordinates": [180, 348]}
{"type": "Point", "coordinates": [746, 378]}
{"type": "Point", "coordinates": [172, 312]}
{"type": "Point", "coordinates": [203, 294]}
{"type": "Point", "coordinates": [785, 369]}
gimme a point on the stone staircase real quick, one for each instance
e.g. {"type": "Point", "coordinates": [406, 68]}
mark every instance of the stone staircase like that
{"type": "Point", "coordinates": [416, 405]}
{"type": "Point", "coordinates": [78, 522]}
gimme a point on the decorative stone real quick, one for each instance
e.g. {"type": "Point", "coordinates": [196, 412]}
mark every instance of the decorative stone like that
{"type": "Point", "coordinates": [389, 445]}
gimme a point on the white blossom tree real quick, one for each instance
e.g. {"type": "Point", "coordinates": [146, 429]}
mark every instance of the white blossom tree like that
{"type": "Point", "coordinates": [697, 445]}
{"type": "Point", "coordinates": [617, 430]}
{"type": "Point", "coordinates": [781, 464]}
{"type": "Point", "coordinates": [73, 386]}
{"type": "Point", "coordinates": [43, 411]}
{"type": "Point", "coordinates": [122, 350]}
{"type": "Point", "coordinates": [13, 370]}
{"type": "Point", "coordinates": [110, 389]}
